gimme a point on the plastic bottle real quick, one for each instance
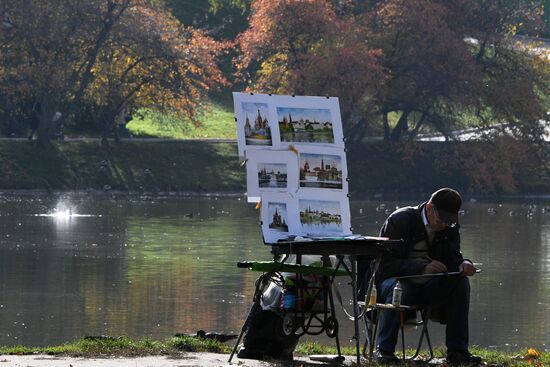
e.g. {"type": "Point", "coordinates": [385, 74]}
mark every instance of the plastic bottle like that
{"type": "Point", "coordinates": [373, 296]}
{"type": "Point", "coordinates": [397, 292]}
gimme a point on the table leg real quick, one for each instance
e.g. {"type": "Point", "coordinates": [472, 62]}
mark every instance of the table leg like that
{"type": "Point", "coordinates": [353, 261]}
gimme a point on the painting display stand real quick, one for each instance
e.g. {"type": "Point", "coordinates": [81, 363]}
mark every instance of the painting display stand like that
{"type": "Point", "coordinates": [300, 322]}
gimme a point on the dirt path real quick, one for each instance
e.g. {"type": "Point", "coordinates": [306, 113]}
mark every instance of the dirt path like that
{"type": "Point", "coordinates": [187, 360]}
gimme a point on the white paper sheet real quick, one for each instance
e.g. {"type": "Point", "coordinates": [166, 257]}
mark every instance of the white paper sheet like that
{"type": "Point", "coordinates": [257, 127]}
{"type": "Point", "coordinates": [279, 216]}
{"type": "Point", "coordinates": [271, 171]}
{"type": "Point", "coordinates": [322, 170]}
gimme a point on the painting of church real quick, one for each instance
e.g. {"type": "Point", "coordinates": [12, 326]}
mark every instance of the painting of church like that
{"type": "Point", "coordinates": [256, 124]}
{"type": "Point", "coordinates": [278, 218]}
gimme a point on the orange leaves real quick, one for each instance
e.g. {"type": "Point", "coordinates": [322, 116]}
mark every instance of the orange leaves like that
{"type": "Point", "coordinates": [532, 357]}
{"type": "Point", "coordinates": [532, 353]}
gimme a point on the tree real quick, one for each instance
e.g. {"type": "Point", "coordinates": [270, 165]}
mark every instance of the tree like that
{"type": "Point", "coordinates": [310, 47]}
{"type": "Point", "coordinates": [434, 65]}
{"type": "Point", "coordinates": [221, 19]}
{"type": "Point", "coordinates": [110, 54]}
{"type": "Point", "coordinates": [449, 59]}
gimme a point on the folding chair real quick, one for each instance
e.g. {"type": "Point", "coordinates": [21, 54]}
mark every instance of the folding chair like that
{"type": "Point", "coordinates": [372, 326]}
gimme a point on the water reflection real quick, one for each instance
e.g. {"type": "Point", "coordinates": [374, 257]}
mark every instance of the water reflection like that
{"type": "Point", "coordinates": [155, 267]}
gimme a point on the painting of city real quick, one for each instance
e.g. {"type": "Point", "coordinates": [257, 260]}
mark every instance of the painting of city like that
{"type": "Point", "coordinates": [320, 216]}
{"type": "Point", "coordinates": [321, 171]}
{"type": "Point", "coordinates": [272, 175]}
{"type": "Point", "coordinates": [256, 124]}
{"type": "Point", "coordinates": [305, 125]}
{"type": "Point", "coordinates": [277, 217]}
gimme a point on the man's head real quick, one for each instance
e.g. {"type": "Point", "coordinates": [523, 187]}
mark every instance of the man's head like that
{"type": "Point", "coordinates": [442, 208]}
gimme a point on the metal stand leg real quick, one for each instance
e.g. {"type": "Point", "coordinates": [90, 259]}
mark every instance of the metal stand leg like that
{"type": "Point", "coordinates": [333, 312]}
{"type": "Point", "coordinates": [355, 313]}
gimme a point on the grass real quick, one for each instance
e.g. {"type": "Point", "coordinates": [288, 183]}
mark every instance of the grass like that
{"type": "Point", "coordinates": [213, 121]}
{"type": "Point", "coordinates": [151, 166]}
{"type": "Point", "coordinates": [126, 347]}
{"type": "Point", "coordinates": [123, 346]}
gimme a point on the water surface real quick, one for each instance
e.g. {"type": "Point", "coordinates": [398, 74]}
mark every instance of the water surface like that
{"type": "Point", "coordinates": [72, 266]}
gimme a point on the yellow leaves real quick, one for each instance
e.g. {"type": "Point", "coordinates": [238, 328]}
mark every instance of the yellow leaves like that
{"type": "Point", "coordinates": [532, 353]}
{"type": "Point", "coordinates": [293, 149]}
{"type": "Point", "coordinates": [532, 357]}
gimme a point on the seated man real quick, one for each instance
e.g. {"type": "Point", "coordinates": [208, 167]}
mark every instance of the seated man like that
{"type": "Point", "coordinates": [431, 244]}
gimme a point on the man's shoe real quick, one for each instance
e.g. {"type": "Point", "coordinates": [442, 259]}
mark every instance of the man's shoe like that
{"type": "Point", "coordinates": [462, 358]}
{"type": "Point", "coordinates": [384, 357]}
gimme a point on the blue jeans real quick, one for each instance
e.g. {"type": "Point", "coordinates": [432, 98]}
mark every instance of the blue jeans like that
{"type": "Point", "coordinates": [452, 293]}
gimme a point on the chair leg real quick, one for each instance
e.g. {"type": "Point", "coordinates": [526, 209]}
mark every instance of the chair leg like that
{"type": "Point", "coordinates": [372, 329]}
{"type": "Point", "coordinates": [402, 326]}
{"type": "Point", "coordinates": [425, 315]}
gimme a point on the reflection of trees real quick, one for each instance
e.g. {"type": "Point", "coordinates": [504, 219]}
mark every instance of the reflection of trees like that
{"type": "Point", "coordinates": [191, 280]}
{"type": "Point", "coordinates": [140, 270]}
{"type": "Point", "coordinates": [58, 277]}
{"type": "Point", "coordinates": [509, 290]}
{"type": "Point", "coordinates": [512, 290]}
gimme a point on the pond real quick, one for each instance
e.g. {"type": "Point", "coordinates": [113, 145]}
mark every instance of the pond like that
{"type": "Point", "coordinates": [77, 265]}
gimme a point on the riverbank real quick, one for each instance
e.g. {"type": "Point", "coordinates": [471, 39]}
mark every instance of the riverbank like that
{"type": "Point", "coordinates": [197, 167]}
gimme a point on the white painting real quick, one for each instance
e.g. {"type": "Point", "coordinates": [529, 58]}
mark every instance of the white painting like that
{"type": "Point", "coordinates": [324, 217]}
{"type": "Point", "coordinates": [271, 171]}
{"type": "Point", "coordinates": [322, 169]}
{"type": "Point", "coordinates": [309, 121]}
{"type": "Point", "coordinates": [256, 122]}
{"type": "Point", "coordinates": [278, 213]}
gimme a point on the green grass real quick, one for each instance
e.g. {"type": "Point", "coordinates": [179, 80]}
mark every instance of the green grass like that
{"type": "Point", "coordinates": [183, 166]}
{"type": "Point", "coordinates": [213, 121]}
{"type": "Point", "coordinates": [123, 346]}
{"type": "Point", "coordinates": [126, 347]}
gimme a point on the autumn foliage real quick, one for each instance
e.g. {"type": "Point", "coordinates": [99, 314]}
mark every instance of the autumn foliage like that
{"type": "Point", "coordinates": [401, 67]}
{"type": "Point", "coordinates": [93, 61]}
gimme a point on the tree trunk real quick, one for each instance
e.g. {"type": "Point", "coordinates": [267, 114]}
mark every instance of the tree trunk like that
{"type": "Point", "coordinates": [47, 127]}
{"type": "Point", "coordinates": [386, 126]}
{"type": "Point", "coordinates": [401, 127]}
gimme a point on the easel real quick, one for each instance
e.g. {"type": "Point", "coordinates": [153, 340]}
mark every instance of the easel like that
{"type": "Point", "coordinates": [342, 249]}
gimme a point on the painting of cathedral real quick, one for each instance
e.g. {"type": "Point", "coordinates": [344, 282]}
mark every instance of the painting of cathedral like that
{"type": "Point", "coordinates": [321, 171]}
{"type": "Point", "coordinates": [305, 125]}
{"type": "Point", "coordinates": [278, 217]}
{"type": "Point", "coordinates": [256, 124]}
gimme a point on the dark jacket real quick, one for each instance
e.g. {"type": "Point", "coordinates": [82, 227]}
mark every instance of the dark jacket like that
{"type": "Point", "coordinates": [406, 224]}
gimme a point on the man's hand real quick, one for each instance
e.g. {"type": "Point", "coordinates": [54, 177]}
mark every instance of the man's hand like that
{"type": "Point", "coordinates": [435, 266]}
{"type": "Point", "coordinates": [467, 268]}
